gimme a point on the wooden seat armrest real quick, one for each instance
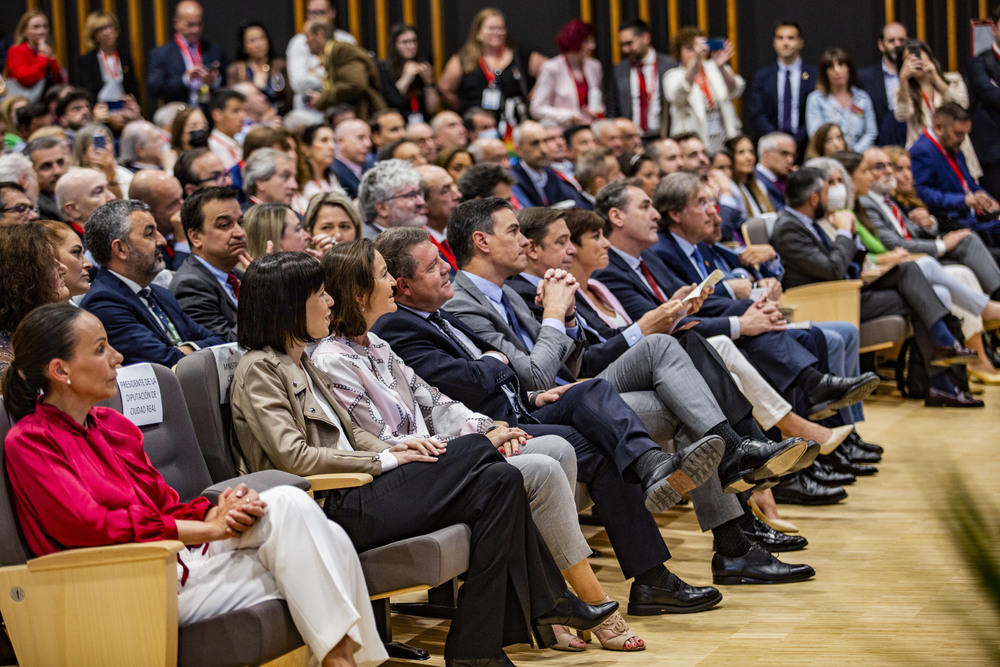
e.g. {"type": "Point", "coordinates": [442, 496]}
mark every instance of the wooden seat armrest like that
{"type": "Point", "coordinates": [338, 480]}
{"type": "Point", "coordinates": [99, 556]}
{"type": "Point", "coordinates": [826, 301]}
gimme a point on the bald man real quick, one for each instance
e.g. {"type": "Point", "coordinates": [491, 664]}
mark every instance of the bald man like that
{"type": "Point", "coordinates": [164, 196]}
{"type": "Point", "coordinates": [186, 68]}
{"type": "Point", "coordinates": [449, 130]}
{"type": "Point", "coordinates": [80, 192]}
{"type": "Point", "coordinates": [488, 149]}
{"type": "Point", "coordinates": [422, 135]}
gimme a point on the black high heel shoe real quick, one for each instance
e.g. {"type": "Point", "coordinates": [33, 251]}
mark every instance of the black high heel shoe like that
{"type": "Point", "coordinates": [570, 610]}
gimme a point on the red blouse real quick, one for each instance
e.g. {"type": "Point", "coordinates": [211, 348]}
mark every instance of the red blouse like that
{"type": "Point", "coordinates": [78, 486]}
{"type": "Point", "coordinates": [27, 67]}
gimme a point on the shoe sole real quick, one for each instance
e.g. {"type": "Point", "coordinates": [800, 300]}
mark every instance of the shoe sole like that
{"type": "Point", "coordinates": [695, 469]}
{"type": "Point", "coordinates": [739, 579]}
{"type": "Point", "coordinates": [812, 451]}
{"type": "Point", "coordinates": [961, 360]}
{"type": "Point", "coordinates": [651, 609]}
{"type": "Point", "coordinates": [856, 395]}
{"type": "Point", "coordinates": [776, 466]}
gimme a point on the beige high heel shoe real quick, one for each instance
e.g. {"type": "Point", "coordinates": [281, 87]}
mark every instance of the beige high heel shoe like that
{"type": "Point", "coordinates": [614, 633]}
{"type": "Point", "coordinates": [778, 524]}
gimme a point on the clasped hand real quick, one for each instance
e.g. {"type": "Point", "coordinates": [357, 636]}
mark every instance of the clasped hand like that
{"type": "Point", "coordinates": [237, 511]}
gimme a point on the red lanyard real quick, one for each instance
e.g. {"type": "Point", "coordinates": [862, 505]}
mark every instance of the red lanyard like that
{"type": "Point", "coordinates": [491, 76]}
{"type": "Point", "coordinates": [581, 86]}
{"type": "Point", "coordinates": [106, 65]}
{"type": "Point", "coordinates": [951, 161]}
{"type": "Point", "coordinates": [702, 81]}
{"type": "Point", "coordinates": [186, 51]}
{"type": "Point", "coordinates": [930, 107]}
{"type": "Point", "coordinates": [414, 103]}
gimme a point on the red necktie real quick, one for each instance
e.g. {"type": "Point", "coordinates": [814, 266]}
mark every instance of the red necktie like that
{"type": "Point", "coordinates": [232, 281]}
{"type": "Point", "coordinates": [898, 217]}
{"type": "Point", "coordinates": [644, 270]}
{"type": "Point", "coordinates": [643, 101]}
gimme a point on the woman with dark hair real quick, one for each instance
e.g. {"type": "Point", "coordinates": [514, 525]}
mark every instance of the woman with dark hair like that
{"type": "Point", "coordinates": [568, 90]}
{"type": "Point", "coordinates": [286, 417]}
{"type": "Point", "coordinates": [319, 152]}
{"type": "Point", "coordinates": [189, 130]}
{"type": "Point", "coordinates": [80, 478]}
{"type": "Point", "coordinates": [332, 215]}
{"type": "Point", "coordinates": [99, 154]}
{"type": "Point", "coordinates": [33, 276]}
{"type": "Point", "coordinates": [387, 399]}
{"type": "Point", "coordinates": [838, 99]}
{"type": "Point", "coordinates": [255, 62]}
{"type": "Point", "coordinates": [455, 160]}
{"type": "Point", "coordinates": [643, 167]}
{"type": "Point", "coordinates": [31, 62]}
{"type": "Point", "coordinates": [408, 79]}
{"type": "Point", "coordinates": [827, 140]}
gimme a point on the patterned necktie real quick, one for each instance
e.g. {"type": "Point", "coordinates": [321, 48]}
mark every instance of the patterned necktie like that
{"type": "Point", "coordinates": [168, 326]}
{"type": "Point", "coordinates": [644, 270]}
{"type": "Point", "coordinates": [233, 282]}
{"type": "Point", "coordinates": [443, 324]}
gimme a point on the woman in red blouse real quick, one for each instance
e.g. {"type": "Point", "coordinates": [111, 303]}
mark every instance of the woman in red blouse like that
{"type": "Point", "coordinates": [30, 61]}
{"type": "Point", "coordinates": [80, 478]}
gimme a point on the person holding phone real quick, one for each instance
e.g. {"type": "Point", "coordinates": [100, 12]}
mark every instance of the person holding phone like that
{"type": "Point", "coordinates": [31, 63]}
{"type": "Point", "coordinates": [185, 69]}
{"type": "Point", "coordinates": [702, 88]}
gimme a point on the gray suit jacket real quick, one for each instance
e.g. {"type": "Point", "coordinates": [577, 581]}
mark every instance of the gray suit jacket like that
{"type": "Point", "coordinates": [619, 95]}
{"type": "Point", "coordinates": [804, 257]}
{"type": "Point", "coordinates": [204, 299]}
{"type": "Point", "coordinates": [538, 368]}
{"type": "Point", "coordinates": [888, 234]}
{"type": "Point", "coordinates": [370, 231]}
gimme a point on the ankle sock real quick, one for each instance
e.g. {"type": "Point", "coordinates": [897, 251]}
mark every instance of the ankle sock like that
{"type": "Point", "coordinates": [658, 575]}
{"type": "Point", "coordinates": [748, 428]}
{"type": "Point", "coordinates": [646, 462]}
{"type": "Point", "coordinates": [730, 540]}
{"type": "Point", "coordinates": [808, 378]}
{"type": "Point", "coordinates": [728, 435]}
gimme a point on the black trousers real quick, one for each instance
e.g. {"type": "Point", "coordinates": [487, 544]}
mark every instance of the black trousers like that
{"type": "Point", "coordinates": [511, 578]}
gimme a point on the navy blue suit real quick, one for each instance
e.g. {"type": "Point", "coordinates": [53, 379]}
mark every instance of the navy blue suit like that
{"type": "Point", "coordinates": [983, 77]}
{"type": "Point", "coordinates": [763, 114]}
{"type": "Point", "coordinates": [776, 196]}
{"type": "Point", "coordinates": [556, 189]}
{"type": "Point", "coordinates": [133, 330]}
{"type": "Point", "coordinates": [348, 180]}
{"type": "Point", "coordinates": [166, 68]}
{"type": "Point", "coordinates": [939, 186]}
{"type": "Point", "coordinates": [872, 81]}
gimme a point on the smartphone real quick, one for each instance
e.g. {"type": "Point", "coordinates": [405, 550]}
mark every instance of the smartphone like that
{"type": "Point", "coordinates": [115, 106]}
{"type": "Point", "coordinates": [716, 43]}
{"type": "Point", "coordinates": [100, 142]}
{"type": "Point", "coordinates": [914, 50]}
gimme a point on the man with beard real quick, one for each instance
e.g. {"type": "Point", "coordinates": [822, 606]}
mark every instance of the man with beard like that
{"type": "Point", "coordinates": [390, 196]}
{"type": "Point", "coordinates": [634, 89]}
{"type": "Point", "coordinates": [144, 322]}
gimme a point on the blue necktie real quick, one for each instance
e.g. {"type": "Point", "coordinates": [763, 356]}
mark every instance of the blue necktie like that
{"type": "Point", "coordinates": [171, 330]}
{"type": "Point", "coordinates": [786, 104]}
{"type": "Point", "coordinates": [514, 324]}
{"type": "Point", "coordinates": [822, 236]}
{"type": "Point", "coordinates": [699, 262]}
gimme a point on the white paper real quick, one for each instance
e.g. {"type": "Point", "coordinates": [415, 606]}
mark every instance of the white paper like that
{"type": "Point", "coordinates": [803, 324]}
{"type": "Point", "coordinates": [713, 278]}
{"type": "Point", "coordinates": [140, 392]}
{"type": "Point", "coordinates": [227, 357]}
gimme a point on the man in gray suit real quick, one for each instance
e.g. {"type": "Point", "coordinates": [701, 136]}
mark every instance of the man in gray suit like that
{"type": "Point", "coordinates": [634, 88]}
{"type": "Point", "coordinates": [207, 285]}
{"type": "Point", "coordinates": [917, 231]}
{"type": "Point", "coordinates": [655, 377]}
{"type": "Point", "coordinates": [390, 195]}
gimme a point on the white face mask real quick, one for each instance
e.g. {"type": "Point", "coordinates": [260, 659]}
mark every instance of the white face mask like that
{"type": "Point", "coordinates": [836, 197]}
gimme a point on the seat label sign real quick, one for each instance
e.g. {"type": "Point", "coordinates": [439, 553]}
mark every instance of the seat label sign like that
{"type": "Point", "coordinates": [227, 358]}
{"type": "Point", "coordinates": [140, 392]}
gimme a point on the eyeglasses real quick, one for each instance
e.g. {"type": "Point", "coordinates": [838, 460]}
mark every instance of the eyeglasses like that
{"type": "Point", "coordinates": [880, 166]}
{"type": "Point", "coordinates": [20, 209]}
{"type": "Point", "coordinates": [215, 177]}
{"type": "Point", "coordinates": [706, 204]}
{"type": "Point", "coordinates": [406, 195]}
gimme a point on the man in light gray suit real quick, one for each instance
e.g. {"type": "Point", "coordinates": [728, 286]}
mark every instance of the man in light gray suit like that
{"type": "Point", "coordinates": [917, 231]}
{"type": "Point", "coordinates": [390, 196]}
{"type": "Point", "coordinates": [667, 392]}
{"type": "Point", "coordinates": [207, 284]}
{"type": "Point", "coordinates": [634, 87]}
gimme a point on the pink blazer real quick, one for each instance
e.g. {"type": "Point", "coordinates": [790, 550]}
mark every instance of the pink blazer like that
{"type": "Point", "coordinates": [555, 97]}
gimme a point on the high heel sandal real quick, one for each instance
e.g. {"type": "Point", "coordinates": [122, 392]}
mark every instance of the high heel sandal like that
{"type": "Point", "coordinates": [567, 641]}
{"type": "Point", "coordinates": [614, 634]}
{"type": "Point", "coordinates": [778, 524]}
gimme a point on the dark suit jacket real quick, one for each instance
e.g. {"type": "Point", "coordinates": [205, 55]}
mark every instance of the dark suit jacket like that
{"type": "Point", "coordinates": [776, 196]}
{"type": "Point", "coordinates": [597, 354]}
{"type": "Point", "coordinates": [890, 238]}
{"type": "Point", "coordinates": [939, 186]}
{"type": "Point", "coordinates": [204, 299]}
{"type": "Point", "coordinates": [983, 77]}
{"type": "Point", "coordinates": [763, 114]}
{"type": "Point", "coordinates": [556, 189]}
{"type": "Point", "coordinates": [346, 177]}
{"type": "Point", "coordinates": [133, 330]}
{"type": "Point", "coordinates": [890, 130]}
{"type": "Point", "coordinates": [88, 73]}
{"type": "Point", "coordinates": [806, 260]}
{"type": "Point", "coordinates": [166, 67]}
{"type": "Point", "coordinates": [618, 99]}
{"type": "Point", "coordinates": [435, 357]}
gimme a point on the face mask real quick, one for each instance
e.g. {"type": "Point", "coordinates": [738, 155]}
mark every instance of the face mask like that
{"type": "Point", "coordinates": [489, 134]}
{"type": "Point", "coordinates": [836, 197]}
{"type": "Point", "coordinates": [198, 138]}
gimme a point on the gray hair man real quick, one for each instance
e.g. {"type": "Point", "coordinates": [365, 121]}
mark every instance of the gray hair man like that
{"type": "Point", "coordinates": [391, 195]}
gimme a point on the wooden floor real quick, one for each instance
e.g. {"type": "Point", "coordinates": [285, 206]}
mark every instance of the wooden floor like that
{"type": "Point", "coordinates": [889, 588]}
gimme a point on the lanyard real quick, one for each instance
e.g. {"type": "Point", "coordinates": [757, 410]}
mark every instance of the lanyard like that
{"type": "Point", "coordinates": [702, 80]}
{"type": "Point", "coordinates": [414, 103]}
{"type": "Point", "coordinates": [951, 161]}
{"type": "Point", "coordinates": [491, 75]}
{"type": "Point", "coordinates": [930, 107]}
{"type": "Point", "coordinates": [115, 73]}
{"type": "Point", "coordinates": [189, 58]}
{"type": "Point", "coordinates": [581, 86]}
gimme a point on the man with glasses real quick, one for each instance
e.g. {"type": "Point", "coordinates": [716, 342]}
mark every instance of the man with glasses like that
{"type": "Point", "coordinates": [391, 195]}
{"type": "Point", "coordinates": [200, 168]}
{"type": "Point", "coordinates": [305, 69]}
{"type": "Point", "coordinates": [15, 207]}
{"type": "Point", "coordinates": [441, 196]}
{"type": "Point", "coordinates": [775, 161]}
{"type": "Point", "coordinates": [269, 177]}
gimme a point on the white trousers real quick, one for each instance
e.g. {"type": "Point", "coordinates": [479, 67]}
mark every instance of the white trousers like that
{"type": "Point", "coordinates": [293, 552]}
{"type": "Point", "coordinates": [768, 405]}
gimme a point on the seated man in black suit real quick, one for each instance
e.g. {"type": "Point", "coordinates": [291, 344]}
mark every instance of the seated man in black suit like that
{"type": "Point", "coordinates": [207, 285]}
{"type": "Point", "coordinates": [537, 184]}
{"type": "Point", "coordinates": [164, 196]}
{"type": "Point", "coordinates": [443, 350]}
{"type": "Point", "coordinates": [144, 322]}
{"type": "Point", "coordinates": [810, 256]}
{"type": "Point", "coordinates": [186, 68]}
{"type": "Point", "coordinates": [354, 143]}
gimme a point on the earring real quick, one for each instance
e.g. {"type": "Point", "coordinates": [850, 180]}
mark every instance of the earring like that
{"type": "Point", "coordinates": [68, 381]}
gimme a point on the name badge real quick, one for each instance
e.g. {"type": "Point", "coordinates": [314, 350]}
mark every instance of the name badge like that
{"type": "Point", "coordinates": [595, 100]}
{"type": "Point", "coordinates": [491, 99]}
{"type": "Point", "coordinates": [227, 358]}
{"type": "Point", "coordinates": [714, 124]}
{"type": "Point", "coordinates": [414, 118]}
{"type": "Point", "coordinates": [140, 392]}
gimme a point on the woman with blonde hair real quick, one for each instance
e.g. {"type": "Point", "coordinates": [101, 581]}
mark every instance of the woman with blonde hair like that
{"type": "Point", "coordinates": [31, 62]}
{"type": "Point", "coordinates": [105, 70]}
{"type": "Point", "coordinates": [332, 215]}
{"type": "Point", "coordinates": [274, 227]}
{"type": "Point", "coordinates": [93, 146]}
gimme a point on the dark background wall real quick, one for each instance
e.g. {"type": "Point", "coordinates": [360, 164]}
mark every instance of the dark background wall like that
{"type": "Point", "coordinates": [852, 24]}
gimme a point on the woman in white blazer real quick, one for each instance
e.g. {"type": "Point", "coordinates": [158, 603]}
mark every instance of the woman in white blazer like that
{"type": "Point", "coordinates": [568, 88]}
{"type": "Point", "coordinates": [702, 88]}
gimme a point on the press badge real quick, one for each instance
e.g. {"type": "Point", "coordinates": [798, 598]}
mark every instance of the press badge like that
{"type": "Point", "coordinates": [491, 99]}
{"type": "Point", "coordinates": [414, 118]}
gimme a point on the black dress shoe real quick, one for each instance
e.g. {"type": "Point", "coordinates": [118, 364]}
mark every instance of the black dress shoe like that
{"type": "Point", "coordinates": [839, 462]}
{"type": "Point", "coordinates": [754, 461]}
{"type": "Point", "coordinates": [867, 446]}
{"type": "Point", "coordinates": [498, 661]}
{"type": "Point", "coordinates": [812, 451]}
{"type": "Point", "coordinates": [674, 597]}
{"type": "Point", "coordinates": [771, 539]}
{"type": "Point", "coordinates": [757, 566]}
{"type": "Point", "coordinates": [800, 489]}
{"type": "Point", "coordinates": [858, 455]}
{"type": "Point", "coordinates": [833, 393]}
{"type": "Point", "coordinates": [572, 611]}
{"type": "Point", "coordinates": [942, 399]}
{"type": "Point", "coordinates": [827, 476]}
{"type": "Point", "coordinates": [955, 354]}
{"type": "Point", "coordinates": [675, 475]}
